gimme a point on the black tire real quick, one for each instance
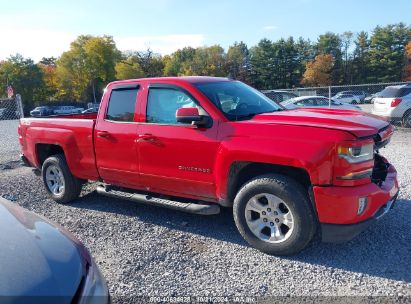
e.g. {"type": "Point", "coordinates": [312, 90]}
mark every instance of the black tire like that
{"type": "Point", "coordinates": [296, 198]}
{"type": "Point", "coordinates": [354, 102]}
{"type": "Point", "coordinates": [72, 185]}
{"type": "Point", "coordinates": [406, 119]}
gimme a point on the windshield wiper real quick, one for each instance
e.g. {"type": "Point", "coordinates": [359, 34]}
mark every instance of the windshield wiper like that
{"type": "Point", "coordinates": [246, 116]}
{"type": "Point", "coordinates": [276, 110]}
{"type": "Point", "coordinates": [251, 115]}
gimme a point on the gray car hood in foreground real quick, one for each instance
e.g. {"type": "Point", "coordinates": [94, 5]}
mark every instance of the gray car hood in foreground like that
{"type": "Point", "coordinates": [37, 258]}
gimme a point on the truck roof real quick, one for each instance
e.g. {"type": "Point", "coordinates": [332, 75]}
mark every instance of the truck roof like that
{"type": "Point", "coordinates": [189, 79]}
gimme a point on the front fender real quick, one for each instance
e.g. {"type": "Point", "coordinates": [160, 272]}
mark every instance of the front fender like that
{"type": "Point", "coordinates": [307, 148]}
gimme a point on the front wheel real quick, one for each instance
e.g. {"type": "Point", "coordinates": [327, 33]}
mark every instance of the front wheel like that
{"type": "Point", "coordinates": [61, 185]}
{"type": "Point", "coordinates": [273, 214]}
{"type": "Point", "coordinates": [354, 102]}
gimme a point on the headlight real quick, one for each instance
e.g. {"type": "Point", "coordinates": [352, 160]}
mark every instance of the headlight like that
{"type": "Point", "coordinates": [356, 154]}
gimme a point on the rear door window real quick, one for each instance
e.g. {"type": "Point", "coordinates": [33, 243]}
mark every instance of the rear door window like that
{"type": "Point", "coordinates": [122, 104]}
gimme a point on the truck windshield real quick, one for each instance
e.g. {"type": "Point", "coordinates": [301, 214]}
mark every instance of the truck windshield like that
{"type": "Point", "coordinates": [237, 100]}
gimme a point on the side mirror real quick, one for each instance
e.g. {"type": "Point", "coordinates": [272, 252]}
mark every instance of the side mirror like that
{"type": "Point", "coordinates": [187, 115]}
{"type": "Point", "coordinates": [192, 116]}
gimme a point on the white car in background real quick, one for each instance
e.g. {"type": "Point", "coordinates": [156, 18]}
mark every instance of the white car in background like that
{"type": "Point", "coordinates": [67, 110]}
{"type": "Point", "coordinates": [279, 96]}
{"type": "Point", "coordinates": [394, 104]}
{"type": "Point", "coordinates": [347, 98]}
{"type": "Point", "coordinates": [316, 102]}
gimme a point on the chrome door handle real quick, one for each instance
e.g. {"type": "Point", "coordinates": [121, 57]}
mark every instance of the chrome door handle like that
{"type": "Point", "coordinates": [103, 134]}
{"type": "Point", "coordinates": [146, 137]}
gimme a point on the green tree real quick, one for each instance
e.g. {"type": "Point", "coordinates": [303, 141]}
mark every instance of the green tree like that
{"type": "Point", "coordinates": [276, 64]}
{"type": "Point", "coordinates": [86, 68]}
{"type": "Point", "coordinates": [128, 68]}
{"type": "Point", "coordinates": [263, 64]}
{"type": "Point", "coordinates": [407, 68]}
{"type": "Point", "coordinates": [25, 77]}
{"type": "Point", "coordinates": [179, 63]}
{"type": "Point", "coordinates": [238, 61]}
{"type": "Point", "coordinates": [360, 58]}
{"type": "Point", "coordinates": [208, 61]}
{"type": "Point", "coordinates": [51, 61]}
{"type": "Point", "coordinates": [386, 54]}
{"type": "Point", "coordinates": [346, 40]}
{"type": "Point", "coordinates": [330, 43]}
{"type": "Point", "coordinates": [50, 88]}
{"type": "Point", "coordinates": [151, 63]}
{"type": "Point", "coordinates": [287, 63]}
{"type": "Point", "coordinates": [305, 53]}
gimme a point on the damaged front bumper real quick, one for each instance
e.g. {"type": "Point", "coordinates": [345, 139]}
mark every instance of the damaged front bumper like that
{"type": "Point", "coordinates": [338, 208]}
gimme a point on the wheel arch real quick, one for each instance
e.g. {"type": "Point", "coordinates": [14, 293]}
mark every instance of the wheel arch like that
{"type": "Point", "coordinates": [44, 151]}
{"type": "Point", "coordinates": [241, 171]}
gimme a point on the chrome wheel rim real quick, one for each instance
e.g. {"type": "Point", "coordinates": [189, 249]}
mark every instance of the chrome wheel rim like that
{"type": "Point", "coordinates": [55, 180]}
{"type": "Point", "coordinates": [269, 218]}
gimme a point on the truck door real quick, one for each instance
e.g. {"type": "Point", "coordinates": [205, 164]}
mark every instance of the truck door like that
{"type": "Point", "coordinates": [115, 136]}
{"type": "Point", "coordinates": [175, 158]}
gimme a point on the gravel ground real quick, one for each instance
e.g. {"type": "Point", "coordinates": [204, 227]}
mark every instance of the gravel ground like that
{"type": "Point", "coordinates": [9, 144]}
{"type": "Point", "coordinates": [149, 251]}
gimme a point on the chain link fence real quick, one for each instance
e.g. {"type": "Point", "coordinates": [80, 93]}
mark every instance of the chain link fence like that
{"type": "Point", "coordinates": [11, 110]}
{"type": "Point", "coordinates": [394, 106]}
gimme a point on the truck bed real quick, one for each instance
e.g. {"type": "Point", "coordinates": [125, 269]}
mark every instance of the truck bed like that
{"type": "Point", "coordinates": [73, 133]}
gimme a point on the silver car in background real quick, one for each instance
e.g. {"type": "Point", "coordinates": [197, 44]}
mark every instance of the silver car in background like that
{"type": "Point", "coordinates": [316, 102]}
{"type": "Point", "coordinates": [347, 98]}
{"type": "Point", "coordinates": [394, 104]}
{"type": "Point", "coordinates": [41, 111]}
{"type": "Point", "coordinates": [361, 95]}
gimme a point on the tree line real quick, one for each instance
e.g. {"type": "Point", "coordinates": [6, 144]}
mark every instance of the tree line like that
{"type": "Point", "coordinates": [82, 72]}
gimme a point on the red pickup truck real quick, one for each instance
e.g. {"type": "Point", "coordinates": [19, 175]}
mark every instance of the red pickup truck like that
{"type": "Point", "coordinates": [200, 143]}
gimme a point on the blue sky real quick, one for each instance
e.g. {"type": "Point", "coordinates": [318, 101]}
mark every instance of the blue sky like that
{"type": "Point", "coordinates": [46, 27]}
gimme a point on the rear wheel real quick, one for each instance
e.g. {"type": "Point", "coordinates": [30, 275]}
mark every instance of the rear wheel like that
{"type": "Point", "coordinates": [354, 102]}
{"type": "Point", "coordinates": [273, 214]}
{"type": "Point", "coordinates": [61, 185]}
{"type": "Point", "coordinates": [406, 119]}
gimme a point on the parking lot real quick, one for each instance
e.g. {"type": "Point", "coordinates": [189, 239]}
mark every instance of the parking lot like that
{"type": "Point", "coordinates": [149, 251]}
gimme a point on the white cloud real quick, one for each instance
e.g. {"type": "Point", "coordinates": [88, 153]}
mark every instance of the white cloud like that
{"type": "Point", "coordinates": [163, 44]}
{"type": "Point", "coordinates": [38, 43]}
{"type": "Point", "coordinates": [270, 27]}
{"type": "Point", "coordinates": [34, 43]}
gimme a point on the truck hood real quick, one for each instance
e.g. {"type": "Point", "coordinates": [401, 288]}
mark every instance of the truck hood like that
{"type": "Point", "coordinates": [358, 123]}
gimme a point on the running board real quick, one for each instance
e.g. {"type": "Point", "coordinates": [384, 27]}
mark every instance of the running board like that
{"type": "Point", "coordinates": [196, 208]}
